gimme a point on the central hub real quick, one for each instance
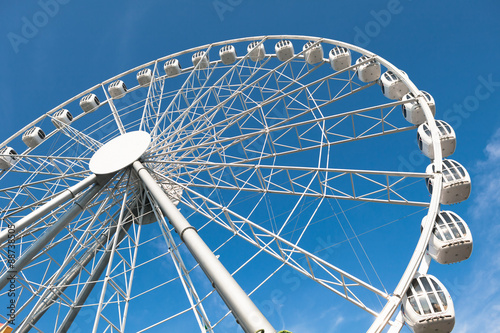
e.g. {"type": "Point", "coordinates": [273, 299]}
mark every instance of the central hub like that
{"type": "Point", "coordinates": [119, 153]}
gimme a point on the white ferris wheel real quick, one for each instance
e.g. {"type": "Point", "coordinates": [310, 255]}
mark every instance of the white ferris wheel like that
{"type": "Point", "coordinates": [207, 185]}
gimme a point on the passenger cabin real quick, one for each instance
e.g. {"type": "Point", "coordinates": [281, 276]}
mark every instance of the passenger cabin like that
{"type": "Point", "coordinates": [62, 118]}
{"type": "Point", "coordinates": [89, 103]}
{"type": "Point", "coordinates": [456, 182]}
{"type": "Point", "coordinates": [7, 157]}
{"type": "Point", "coordinates": [256, 51]}
{"type": "Point", "coordinates": [144, 77]}
{"type": "Point", "coordinates": [227, 54]}
{"type": "Point", "coordinates": [368, 71]}
{"type": "Point", "coordinates": [200, 60]}
{"type": "Point", "coordinates": [117, 89]}
{"type": "Point", "coordinates": [172, 67]}
{"type": "Point", "coordinates": [427, 306]}
{"type": "Point", "coordinates": [284, 50]}
{"type": "Point", "coordinates": [451, 239]}
{"type": "Point", "coordinates": [412, 111]}
{"type": "Point", "coordinates": [447, 138]}
{"type": "Point", "coordinates": [313, 52]}
{"type": "Point", "coordinates": [392, 86]}
{"type": "Point", "coordinates": [33, 137]}
{"type": "Point", "coordinates": [340, 58]}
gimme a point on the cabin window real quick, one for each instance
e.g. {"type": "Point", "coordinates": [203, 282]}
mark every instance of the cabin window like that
{"type": "Point", "coordinates": [391, 76]}
{"type": "Point", "coordinates": [441, 128]}
{"type": "Point", "coordinates": [460, 169]}
{"type": "Point", "coordinates": [448, 128]}
{"type": "Point", "coordinates": [434, 302]}
{"type": "Point", "coordinates": [462, 228]}
{"type": "Point", "coordinates": [427, 130]}
{"type": "Point", "coordinates": [416, 286]}
{"type": "Point", "coordinates": [430, 300]}
{"type": "Point", "coordinates": [446, 233]}
{"type": "Point", "coordinates": [424, 304]}
{"type": "Point", "coordinates": [443, 300]}
{"type": "Point", "coordinates": [426, 285]}
{"type": "Point", "coordinates": [455, 173]}
{"type": "Point", "coordinates": [449, 226]}
{"type": "Point", "coordinates": [447, 175]}
{"type": "Point", "coordinates": [429, 185]}
{"type": "Point", "coordinates": [414, 304]}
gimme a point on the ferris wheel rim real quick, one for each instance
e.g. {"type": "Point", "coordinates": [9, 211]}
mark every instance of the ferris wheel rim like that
{"type": "Point", "coordinates": [434, 201]}
{"type": "Point", "coordinates": [355, 48]}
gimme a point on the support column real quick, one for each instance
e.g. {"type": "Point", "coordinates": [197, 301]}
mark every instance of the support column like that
{"type": "Point", "coordinates": [245, 311]}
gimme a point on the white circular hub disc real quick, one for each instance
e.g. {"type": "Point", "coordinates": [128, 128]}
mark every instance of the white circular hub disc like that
{"type": "Point", "coordinates": [119, 153]}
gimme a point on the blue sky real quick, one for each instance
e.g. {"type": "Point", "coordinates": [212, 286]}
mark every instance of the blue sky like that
{"type": "Point", "coordinates": [448, 48]}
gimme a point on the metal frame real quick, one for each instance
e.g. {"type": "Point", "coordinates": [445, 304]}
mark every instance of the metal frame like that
{"type": "Point", "coordinates": [57, 169]}
{"type": "Point", "coordinates": [247, 314]}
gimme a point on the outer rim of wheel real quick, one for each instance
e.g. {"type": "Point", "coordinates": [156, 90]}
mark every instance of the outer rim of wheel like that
{"type": "Point", "coordinates": [396, 297]}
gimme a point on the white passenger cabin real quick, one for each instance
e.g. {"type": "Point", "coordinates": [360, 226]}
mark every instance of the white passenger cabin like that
{"type": "Point", "coordinates": [7, 157]}
{"type": "Point", "coordinates": [172, 67]}
{"type": "Point", "coordinates": [200, 59]}
{"type": "Point", "coordinates": [456, 182]}
{"type": "Point", "coordinates": [447, 138]}
{"type": "Point", "coordinates": [62, 118]}
{"type": "Point", "coordinates": [412, 111]}
{"type": "Point", "coordinates": [256, 51]}
{"type": "Point", "coordinates": [284, 50]}
{"type": "Point", "coordinates": [89, 103]}
{"type": "Point", "coordinates": [33, 137]}
{"type": "Point", "coordinates": [427, 306]}
{"type": "Point", "coordinates": [451, 239]}
{"type": "Point", "coordinates": [117, 89]}
{"type": "Point", "coordinates": [227, 54]}
{"type": "Point", "coordinates": [368, 71]}
{"type": "Point", "coordinates": [144, 77]}
{"type": "Point", "coordinates": [392, 86]}
{"type": "Point", "coordinates": [313, 53]}
{"type": "Point", "coordinates": [340, 58]}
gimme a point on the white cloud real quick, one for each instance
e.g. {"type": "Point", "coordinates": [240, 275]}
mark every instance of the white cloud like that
{"type": "Point", "coordinates": [493, 148]}
{"type": "Point", "coordinates": [486, 184]}
{"type": "Point", "coordinates": [477, 306]}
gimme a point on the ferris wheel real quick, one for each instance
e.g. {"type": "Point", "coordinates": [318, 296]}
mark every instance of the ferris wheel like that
{"type": "Point", "coordinates": [223, 185]}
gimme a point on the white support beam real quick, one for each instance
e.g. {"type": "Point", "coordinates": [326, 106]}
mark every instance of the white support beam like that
{"type": "Point", "coordinates": [245, 311]}
{"type": "Point", "coordinates": [48, 235]}
{"type": "Point", "coordinates": [46, 208]}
